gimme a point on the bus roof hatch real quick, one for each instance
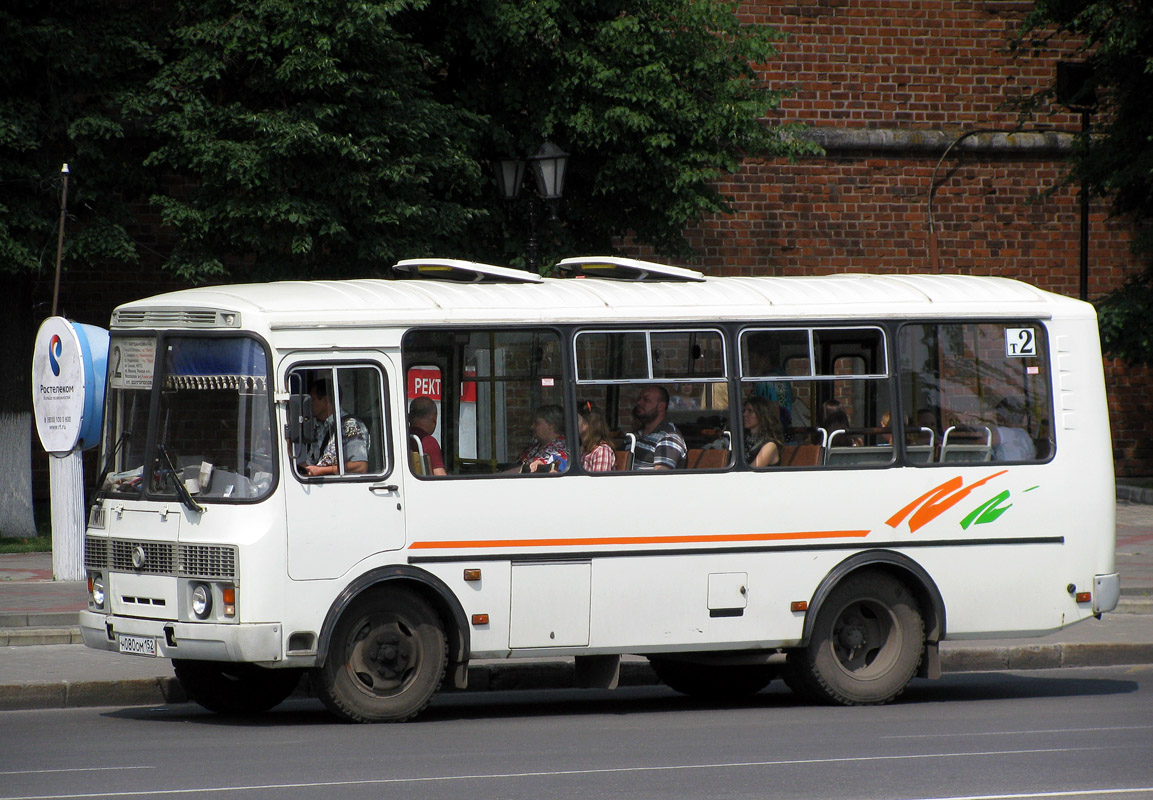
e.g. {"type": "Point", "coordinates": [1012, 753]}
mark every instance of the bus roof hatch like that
{"type": "Point", "coordinates": [626, 269]}
{"type": "Point", "coordinates": [450, 269]}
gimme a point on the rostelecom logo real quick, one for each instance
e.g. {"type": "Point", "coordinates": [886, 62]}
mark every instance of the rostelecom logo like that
{"type": "Point", "coordinates": [55, 348]}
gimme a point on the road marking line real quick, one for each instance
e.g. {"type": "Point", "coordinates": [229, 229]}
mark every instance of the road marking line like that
{"type": "Point", "coordinates": [605, 771]}
{"type": "Point", "coordinates": [1064, 793]}
{"type": "Point", "coordinates": [67, 769]}
{"type": "Point", "coordinates": [1018, 733]}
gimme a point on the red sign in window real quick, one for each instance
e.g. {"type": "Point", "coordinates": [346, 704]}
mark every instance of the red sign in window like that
{"type": "Point", "coordinates": [424, 382]}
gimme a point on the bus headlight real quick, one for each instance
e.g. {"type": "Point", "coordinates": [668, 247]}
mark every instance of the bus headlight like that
{"type": "Point", "coordinates": [201, 600]}
{"type": "Point", "coordinates": [96, 590]}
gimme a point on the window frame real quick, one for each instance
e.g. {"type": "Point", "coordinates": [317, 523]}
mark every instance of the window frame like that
{"type": "Point", "coordinates": [813, 374]}
{"type": "Point", "coordinates": [647, 331]}
{"type": "Point", "coordinates": [886, 382]}
{"type": "Point", "coordinates": [451, 402]}
{"type": "Point", "coordinates": [156, 389]}
{"type": "Point", "coordinates": [383, 436]}
{"type": "Point", "coordinates": [1043, 351]}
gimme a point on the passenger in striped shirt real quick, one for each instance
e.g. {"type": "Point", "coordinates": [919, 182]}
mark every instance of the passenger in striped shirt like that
{"type": "Point", "coordinates": [659, 445]}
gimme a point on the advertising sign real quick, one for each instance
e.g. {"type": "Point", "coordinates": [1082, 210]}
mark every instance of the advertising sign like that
{"type": "Point", "coordinates": [69, 363]}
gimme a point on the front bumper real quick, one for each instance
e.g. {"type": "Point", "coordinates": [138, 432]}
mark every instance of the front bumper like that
{"type": "Point", "coordinates": [1106, 592]}
{"type": "Point", "coordinates": [251, 642]}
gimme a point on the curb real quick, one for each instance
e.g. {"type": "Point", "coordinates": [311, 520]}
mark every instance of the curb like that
{"type": "Point", "coordinates": [85, 694]}
{"type": "Point", "coordinates": [22, 636]}
{"type": "Point", "coordinates": [1135, 494]}
{"type": "Point", "coordinates": [500, 677]}
{"type": "Point", "coordinates": [1134, 604]}
{"type": "Point", "coordinates": [40, 619]}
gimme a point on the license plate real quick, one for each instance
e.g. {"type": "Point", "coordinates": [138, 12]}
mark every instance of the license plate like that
{"type": "Point", "coordinates": [137, 645]}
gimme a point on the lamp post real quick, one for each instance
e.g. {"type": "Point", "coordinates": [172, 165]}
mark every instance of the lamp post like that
{"type": "Point", "coordinates": [1075, 91]}
{"type": "Point", "coordinates": [548, 167]}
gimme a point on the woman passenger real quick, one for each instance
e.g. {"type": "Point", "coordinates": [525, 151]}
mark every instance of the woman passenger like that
{"type": "Point", "coordinates": [548, 450]}
{"type": "Point", "coordinates": [597, 454]}
{"type": "Point", "coordinates": [763, 432]}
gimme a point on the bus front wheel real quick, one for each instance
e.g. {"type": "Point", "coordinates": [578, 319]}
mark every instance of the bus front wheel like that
{"type": "Point", "coordinates": [866, 644]}
{"type": "Point", "coordinates": [386, 661]}
{"type": "Point", "coordinates": [233, 688]}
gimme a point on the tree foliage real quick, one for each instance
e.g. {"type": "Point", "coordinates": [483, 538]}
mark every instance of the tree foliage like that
{"type": "Point", "coordinates": [655, 100]}
{"type": "Point", "coordinates": [63, 65]}
{"type": "Point", "coordinates": [307, 138]}
{"type": "Point", "coordinates": [1116, 41]}
{"type": "Point", "coordinates": [296, 138]}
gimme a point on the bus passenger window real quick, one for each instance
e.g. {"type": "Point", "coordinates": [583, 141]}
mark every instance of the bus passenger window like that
{"type": "Point", "coordinates": [665, 395]}
{"type": "Point", "coordinates": [975, 392]}
{"type": "Point", "coordinates": [817, 396]}
{"type": "Point", "coordinates": [498, 396]}
{"type": "Point", "coordinates": [347, 436]}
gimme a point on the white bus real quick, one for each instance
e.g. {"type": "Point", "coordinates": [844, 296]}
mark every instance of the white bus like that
{"type": "Point", "coordinates": [942, 470]}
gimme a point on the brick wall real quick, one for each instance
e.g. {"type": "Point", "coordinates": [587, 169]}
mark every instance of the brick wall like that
{"type": "Point", "coordinates": [887, 86]}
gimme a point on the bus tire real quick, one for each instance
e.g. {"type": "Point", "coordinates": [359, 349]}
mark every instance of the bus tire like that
{"type": "Point", "coordinates": [866, 644]}
{"type": "Point", "coordinates": [713, 681]}
{"type": "Point", "coordinates": [386, 661]}
{"type": "Point", "coordinates": [234, 688]}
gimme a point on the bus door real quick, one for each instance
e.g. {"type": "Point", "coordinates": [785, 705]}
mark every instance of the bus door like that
{"type": "Point", "coordinates": [342, 488]}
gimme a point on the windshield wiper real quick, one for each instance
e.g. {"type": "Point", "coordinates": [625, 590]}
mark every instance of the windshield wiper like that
{"type": "Point", "coordinates": [181, 490]}
{"type": "Point", "coordinates": [98, 495]}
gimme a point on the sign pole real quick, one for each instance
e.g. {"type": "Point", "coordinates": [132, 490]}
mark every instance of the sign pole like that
{"type": "Point", "coordinates": [69, 369]}
{"type": "Point", "coordinates": [60, 239]}
{"type": "Point", "coordinates": [66, 476]}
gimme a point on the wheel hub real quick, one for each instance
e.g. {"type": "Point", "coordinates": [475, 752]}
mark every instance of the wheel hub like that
{"type": "Point", "coordinates": [390, 655]}
{"type": "Point", "coordinates": [851, 637]}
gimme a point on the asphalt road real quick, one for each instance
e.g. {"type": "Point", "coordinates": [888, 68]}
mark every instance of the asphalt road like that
{"type": "Point", "coordinates": [1071, 733]}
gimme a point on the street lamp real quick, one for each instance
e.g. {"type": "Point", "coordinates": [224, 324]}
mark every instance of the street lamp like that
{"type": "Point", "coordinates": [1075, 91]}
{"type": "Point", "coordinates": [548, 167]}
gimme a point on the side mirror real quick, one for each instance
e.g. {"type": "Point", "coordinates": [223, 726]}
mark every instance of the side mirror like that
{"type": "Point", "coordinates": [301, 425]}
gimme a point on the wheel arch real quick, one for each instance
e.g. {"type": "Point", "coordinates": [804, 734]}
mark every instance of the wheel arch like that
{"type": "Point", "coordinates": [899, 566]}
{"type": "Point", "coordinates": [421, 583]}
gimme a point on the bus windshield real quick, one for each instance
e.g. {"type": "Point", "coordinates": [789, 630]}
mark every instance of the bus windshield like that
{"type": "Point", "coordinates": [209, 427]}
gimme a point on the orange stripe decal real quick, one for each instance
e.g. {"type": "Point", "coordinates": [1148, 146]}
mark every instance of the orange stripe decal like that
{"type": "Point", "coordinates": [937, 501]}
{"type": "Point", "coordinates": [635, 540]}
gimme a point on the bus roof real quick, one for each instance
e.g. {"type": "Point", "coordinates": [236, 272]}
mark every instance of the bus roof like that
{"type": "Point", "coordinates": [389, 303]}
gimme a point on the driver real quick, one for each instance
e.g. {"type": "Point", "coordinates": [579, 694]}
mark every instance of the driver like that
{"type": "Point", "coordinates": [320, 458]}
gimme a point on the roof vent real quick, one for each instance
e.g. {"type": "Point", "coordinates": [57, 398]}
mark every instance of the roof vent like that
{"type": "Point", "coordinates": [626, 269]}
{"type": "Point", "coordinates": [449, 269]}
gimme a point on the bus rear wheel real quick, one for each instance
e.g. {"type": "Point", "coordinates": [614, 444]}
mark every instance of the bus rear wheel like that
{"type": "Point", "coordinates": [386, 661]}
{"type": "Point", "coordinates": [234, 689]}
{"type": "Point", "coordinates": [713, 681]}
{"type": "Point", "coordinates": [866, 644]}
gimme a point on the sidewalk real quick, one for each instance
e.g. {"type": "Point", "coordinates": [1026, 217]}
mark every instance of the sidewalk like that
{"type": "Point", "coordinates": [44, 665]}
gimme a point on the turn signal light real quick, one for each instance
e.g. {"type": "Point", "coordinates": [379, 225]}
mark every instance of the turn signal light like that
{"type": "Point", "coordinates": [799, 605]}
{"type": "Point", "coordinates": [1084, 597]}
{"type": "Point", "coordinates": [480, 619]}
{"type": "Point", "coordinates": [472, 574]}
{"type": "Point", "coordinates": [229, 596]}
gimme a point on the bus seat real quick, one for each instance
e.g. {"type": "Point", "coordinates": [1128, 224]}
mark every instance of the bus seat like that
{"type": "Point", "coordinates": [918, 450]}
{"type": "Point", "coordinates": [711, 458]}
{"type": "Point", "coordinates": [863, 454]}
{"type": "Point", "coordinates": [966, 446]}
{"type": "Point", "coordinates": [625, 457]}
{"type": "Point", "coordinates": [420, 463]}
{"type": "Point", "coordinates": [801, 455]}
{"type": "Point", "coordinates": [920, 453]}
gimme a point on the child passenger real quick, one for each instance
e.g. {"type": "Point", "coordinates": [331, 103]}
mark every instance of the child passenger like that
{"type": "Point", "coordinates": [597, 453]}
